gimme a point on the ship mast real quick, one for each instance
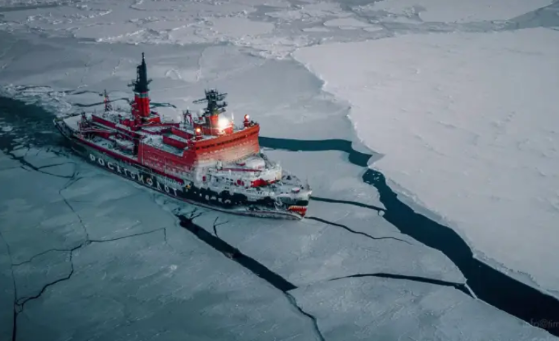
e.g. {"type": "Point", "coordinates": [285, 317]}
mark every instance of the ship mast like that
{"type": "Point", "coordinates": [140, 106]}
{"type": "Point", "coordinates": [107, 101]}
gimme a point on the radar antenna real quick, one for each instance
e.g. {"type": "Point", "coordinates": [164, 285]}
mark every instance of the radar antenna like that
{"type": "Point", "coordinates": [213, 98]}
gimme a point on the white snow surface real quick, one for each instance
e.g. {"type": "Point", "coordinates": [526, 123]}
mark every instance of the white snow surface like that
{"type": "Point", "coordinates": [459, 11]}
{"type": "Point", "coordinates": [467, 124]}
{"type": "Point", "coordinates": [486, 166]}
{"type": "Point", "coordinates": [400, 312]}
{"type": "Point", "coordinates": [311, 251]}
{"type": "Point", "coordinates": [347, 23]}
{"type": "Point", "coordinates": [143, 275]}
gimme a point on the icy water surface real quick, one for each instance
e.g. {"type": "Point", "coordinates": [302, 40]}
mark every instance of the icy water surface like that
{"type": "Point", "coordinates": [24, 124]}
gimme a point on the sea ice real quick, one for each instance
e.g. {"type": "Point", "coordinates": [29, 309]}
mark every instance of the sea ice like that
{"type": "Point", "coordinates": [142, 267]}
{"type": "Point", "coordinates": [459, 11]}
{"type": "Point", "coordinates": [310, 251]}
{"type": "Point", "coordinates": [7, 292]}
{"type": "Point", "coordinates": [97, 241]}
{"type": "Point", "coordinates": [470, 149]}
{"type": "Point", "coordinates": [372, 308]}
{"type": "Point", "coordinates": [342, 182]}
{"type": "Point", "coordinates": [346, 23]}
{"type": "Point", "coordinates": [240, 27]}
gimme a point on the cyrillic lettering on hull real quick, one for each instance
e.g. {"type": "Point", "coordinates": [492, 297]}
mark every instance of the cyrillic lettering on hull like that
{"type": "Point", "coordinates": [137, 176]}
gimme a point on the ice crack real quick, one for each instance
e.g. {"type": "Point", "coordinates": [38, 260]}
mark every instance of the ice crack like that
{"type": "Point", "coordinates": [41, 254]}
{"type": "Point", "coordinates": [460, 286]}
{"type": "Point", "coordinates": [348, 202]}
{"type": "Point", "coordinates": [186, 221]}
{"type": "Point", "coordinates": [24, 163]}
{"type": "Point", "coordinates": [72, 181]}
{"type": "Point", "coordinates": [56, 164]}
{"type": "Point", "coordinates": [356, 232]}
{"type": "Point", "coordinates": [293, 301]}
{"type": "Point", "coordinates": [216, 224]}
{"type": "Point", "coordinates": [19, 304]}
{"type": "Point", "coordinates": [280, 283]}
{"type": "Point", "coordinates": [164, 229]}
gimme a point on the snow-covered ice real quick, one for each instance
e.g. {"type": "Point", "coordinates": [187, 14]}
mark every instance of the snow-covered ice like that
{"type": "Point", "coordinates": [311, 251]}
{"type": "Point", "coordinates": [346, 23]}
{"type": "Point", "coordinates": [459, 11]}
{"type": "Point", "coordinates": [342, 182]}
{"type": "Point", "coordinates": [132, 271]}
{"type": "Point", "coordinates": [399, 311]}
{"type": "Point", "coordinates": [482, 155]}
{"type": "Point", "coordinates": [437, 107]}
{"type": "Point", "coordinates": [142, 274]}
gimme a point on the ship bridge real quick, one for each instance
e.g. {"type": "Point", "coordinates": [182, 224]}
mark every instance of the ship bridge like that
{"type": "Point", "coordinates": [180, 149]}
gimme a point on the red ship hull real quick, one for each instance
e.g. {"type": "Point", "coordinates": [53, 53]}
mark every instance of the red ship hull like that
{"type": "Point", "coordinates": [132, 170]}
{"type": "Point", "coordinates": [207, 160]}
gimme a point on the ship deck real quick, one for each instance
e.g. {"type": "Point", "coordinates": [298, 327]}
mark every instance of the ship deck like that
{"type": "Point", "coordinates": [156, 141]}
{"type": "Point", "coordinates": [176, 138]}
{"type": "Point", "coordinates": [110, 145]}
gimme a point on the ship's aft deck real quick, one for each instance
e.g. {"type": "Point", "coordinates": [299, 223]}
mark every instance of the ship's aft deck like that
{"type": "Point", "coordinates": [156, 141]}
{"type": "Point", "coordinates": [73, 121]}
{"type": "Point", "coordinates": [177, 138]}
{"type": "Point", "coordinates": [110, 145]}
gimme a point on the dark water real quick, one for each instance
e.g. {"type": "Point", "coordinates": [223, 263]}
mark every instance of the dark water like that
{"type": "Point", "coordinates": [488, 284]}
{"type": "Point", "coordinates": [220, 245]}
{"type": "Point", "coordinates": [35, 126]}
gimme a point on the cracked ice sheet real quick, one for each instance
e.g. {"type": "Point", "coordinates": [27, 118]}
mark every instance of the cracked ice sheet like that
{"type": "Point", "coordinates": [168, 288]}
{"type": "Point", "coordinates": [281, 95]}
{"type": "Point", "coordinates": [100, 198]}
{"type": "Point", "coordinates": [342, 182]}
{"type": "Point", "coordinates": [40, 158]}
{"type": "Point", "coordinates": [144, 287]}
{"type": "Point", "coordinates": [169, 22]}
{"type": "Point", "coordinates": [307, 251]}
{"type": "Point", "coordinates": [109, 21]}
{"type": "Point", "coordinates": [31, 276]}
{"type": "Point", "coordinates": [390, 309]}
{"type": "Point", "coordinates": [457, 10]}
{"type": "Point", "coordinates": [7, 162]}
{"type": "Point", "coordinates": [34, 217]}
{"type": "Point", "coordinates": [493, 153]}
{"type": "Point", "coordinates": [311, 12]}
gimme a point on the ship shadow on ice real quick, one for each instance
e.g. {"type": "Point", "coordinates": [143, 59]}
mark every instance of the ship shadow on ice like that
{"type": "Point", "coordinates": [23, 125]}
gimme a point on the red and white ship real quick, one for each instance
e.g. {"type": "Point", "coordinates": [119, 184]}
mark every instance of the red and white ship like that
{"type": "Point", "coordinates": [205, 159]}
